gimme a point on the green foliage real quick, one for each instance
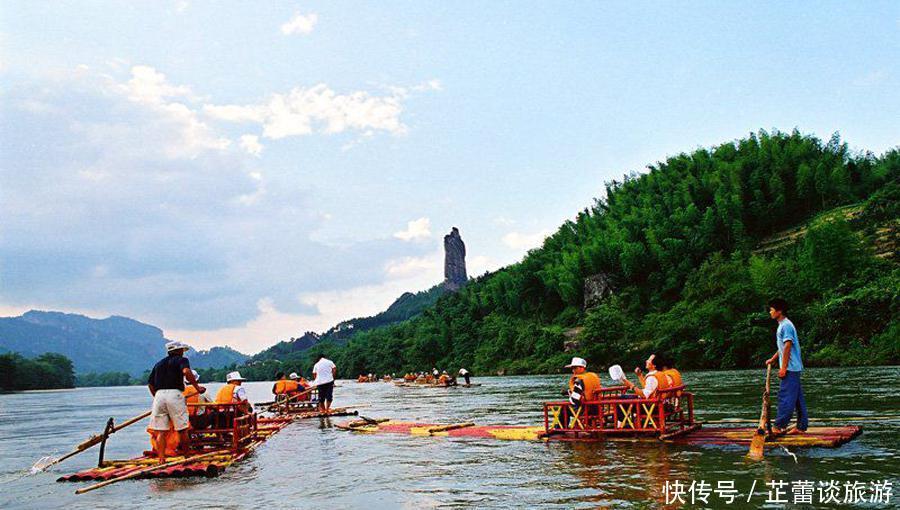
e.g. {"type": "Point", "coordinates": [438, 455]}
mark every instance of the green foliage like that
{"type": "Point", "coordinates": [677, 242]}
{"type": "Point", "coordinates": [831, 253]}
{"type": "Point", "coordinates": [47, 371]}
{"type": "Point", "coordinates": [106, 379]}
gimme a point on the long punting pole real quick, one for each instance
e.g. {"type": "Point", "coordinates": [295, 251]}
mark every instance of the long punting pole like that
{"type": "Point", "coordinates": [758, 445]}
{"type": "Point", "coordinates": [95, 439]}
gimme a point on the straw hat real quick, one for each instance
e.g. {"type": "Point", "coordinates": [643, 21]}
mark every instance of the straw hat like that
{"type": "Point", "coordinates": [175, 345]}
{"type": "Point", "coordinates": [234, 376]}
{"type": "Point", "coordinates": [577, 362]}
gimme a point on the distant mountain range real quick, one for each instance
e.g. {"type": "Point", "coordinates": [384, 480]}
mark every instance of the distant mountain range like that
{"type": "Point", "coordinates": [120, 344]}
{"type": "Point", "coordinates": [114, 344]}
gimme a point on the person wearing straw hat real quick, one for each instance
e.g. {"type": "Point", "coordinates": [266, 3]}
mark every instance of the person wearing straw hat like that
{"type": "Point", "coordinates": [584, 386]}
{"type": "Point", "coordinates": [233, 392]}
{"type": "Point", "coordinates": [166, 384]}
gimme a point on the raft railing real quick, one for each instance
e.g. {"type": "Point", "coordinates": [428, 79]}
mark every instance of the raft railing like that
{"type": "Point", "coordinates": [228, 425]}
{"type": "Point", "coordinates": [617, 412]}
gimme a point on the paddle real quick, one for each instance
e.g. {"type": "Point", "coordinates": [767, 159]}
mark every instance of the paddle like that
{"type": "Point", "coordinates": [91, 441]}
{"type": "Point", "coordinates": [148, 469]}
{"type": "Point", "coordinates": [757, 446]}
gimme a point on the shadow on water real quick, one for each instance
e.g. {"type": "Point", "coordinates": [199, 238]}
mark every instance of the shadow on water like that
{"type": "Point", "coordinates": [311, 463]}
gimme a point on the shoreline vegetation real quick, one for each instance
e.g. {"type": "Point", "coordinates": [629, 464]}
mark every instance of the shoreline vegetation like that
{"type": "Point", "coordinates": [680, 259]}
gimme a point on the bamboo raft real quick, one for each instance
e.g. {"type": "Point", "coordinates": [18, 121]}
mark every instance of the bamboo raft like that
{"type": "Point", "coordinates": [824, 437]}
{"type": "Point", "coordinates": [314, 413]}
{"type": "Point", "coordinates": [434, 385]}
{"type": "Point", "coordinates": [218, 448]}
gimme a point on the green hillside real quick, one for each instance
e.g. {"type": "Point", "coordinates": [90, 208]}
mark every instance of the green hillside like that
{"type": "Point", "coordinates": [688, 253]}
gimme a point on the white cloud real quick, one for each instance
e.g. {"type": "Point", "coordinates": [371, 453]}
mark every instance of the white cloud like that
{"type": "Point", "coordinates": [300, 24]}
{"type": "Point", "coordinates": [520, 241]}
{"type": "Point", "coordinates": [406, 267]}
{"type": "Point", "coordinates": [235, 113]}
{"type": "Point", "coordinates": [150, 88]}
{"type": "Point", "coordinates": [480, 264]}
{"type": "Point", "coordinates": [331, 307]}
{"type": "Point", "coordinates": [147, 85]}
{"type": "Point", "coordinates": [320, 109]}
{"type": "Point", "coordinates": [415, 230]}
{"type": "Point", "coordinates": [250, 143]}
{"type": "Point", "coordinates": [140, 166]}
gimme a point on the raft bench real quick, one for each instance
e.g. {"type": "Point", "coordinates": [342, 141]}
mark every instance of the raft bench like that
{"type": "Point", "coordinates": [667, 414]}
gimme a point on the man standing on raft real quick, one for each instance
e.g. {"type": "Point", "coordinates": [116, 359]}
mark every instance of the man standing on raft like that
{"type": "Point", "coordinates": [790, 393]}
{"type": "Point", "coordinates": [324, 372]}
{"type": "Point", "coordinates": [166, 384]}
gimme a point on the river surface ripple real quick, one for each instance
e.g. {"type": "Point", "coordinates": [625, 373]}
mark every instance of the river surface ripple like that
{"type": "Point", "coordinates": [310, 464]}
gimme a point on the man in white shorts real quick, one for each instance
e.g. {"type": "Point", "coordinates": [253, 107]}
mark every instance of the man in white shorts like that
{"type": "Point", "coordinates": [166, 384]}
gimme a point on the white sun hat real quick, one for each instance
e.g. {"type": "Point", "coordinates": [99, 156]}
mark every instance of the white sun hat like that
{"type": "Point", "coordinates": [234, 376]}
{"type": "Point", "coordinates": [577, 362]}
{"type": "Point", "coordinates": [294, 376]}
{"type": "Point", "coordinates": [175, 345]}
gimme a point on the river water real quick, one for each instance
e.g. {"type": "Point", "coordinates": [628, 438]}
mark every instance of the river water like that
{"type": "Point", "coordinates": [310, 464]}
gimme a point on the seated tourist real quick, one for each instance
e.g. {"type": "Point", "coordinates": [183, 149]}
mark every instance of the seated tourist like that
{"type": "Point", "coordinates": [279, 387]}
{"type": "Point", "coordinates": [234, 393]}
{"type": "Point", "coordinates": [669, 371]}
{"type": "Point", "coordinates": [651, 383]}
{"type": "Point", "coordinates": [584, 386]}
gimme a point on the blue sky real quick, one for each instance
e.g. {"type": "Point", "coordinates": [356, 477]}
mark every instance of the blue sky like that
{"type": "Point", "coordinates": [240, 172]}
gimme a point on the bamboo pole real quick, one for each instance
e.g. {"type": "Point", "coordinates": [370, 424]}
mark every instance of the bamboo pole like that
{"type": "Point", "coordinates": [93, 440]}
{"type": "Point", "coordinates": [758, 444]}
{"type": "Point", "coordinates": [146, 470]}
{"type": "Point", "coordinates": [454, 426]}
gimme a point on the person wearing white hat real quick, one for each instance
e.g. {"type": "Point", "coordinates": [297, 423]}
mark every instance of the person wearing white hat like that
{"type": "Point", "coordinates": [233, 392]}
{"type": "Point", "coordinates": [584, 386]}
{"type": "Point", "coordinates": [166, 384]}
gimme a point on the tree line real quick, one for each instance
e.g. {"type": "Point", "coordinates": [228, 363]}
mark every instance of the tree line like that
{"type": "Point", "coordinates": [47, 371]}
{"type": "Point", "coordinates": [682, 246]}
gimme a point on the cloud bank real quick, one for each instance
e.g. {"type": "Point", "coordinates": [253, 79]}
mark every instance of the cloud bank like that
{"type": "Point", "coordinates": [125, 193]}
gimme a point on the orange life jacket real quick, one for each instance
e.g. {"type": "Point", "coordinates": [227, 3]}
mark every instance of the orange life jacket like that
{"type": "Point", "coordinates": [674, 377]}
{"type": "Point", "coordinates": [191, 397]}
{"type": "Point", "coordinates": [290, 386]}
{"type": "Point", "coordinates": [592, 385]}
{"type": "Point", "coordinates": [280, 387]}
{"type": "Point", "coordinates": [443, 379]}
{"type": "Point", "coordinates": [226, 394]}
{"type": "Point", "coordinates": [662, 382]}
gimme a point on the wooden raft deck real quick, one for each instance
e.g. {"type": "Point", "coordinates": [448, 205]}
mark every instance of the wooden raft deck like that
{"type": "Point", "coordinates": [209, 467]}
{"type": "Point", "coordinates": [824, 437]}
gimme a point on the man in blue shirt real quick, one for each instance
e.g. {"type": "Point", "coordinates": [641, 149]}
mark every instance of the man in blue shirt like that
{"type": "Point", "coordinates": [790, 394]}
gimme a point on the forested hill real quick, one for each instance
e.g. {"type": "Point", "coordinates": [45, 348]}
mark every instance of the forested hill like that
{"type": "Point", "coordinates": [681, 259]}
